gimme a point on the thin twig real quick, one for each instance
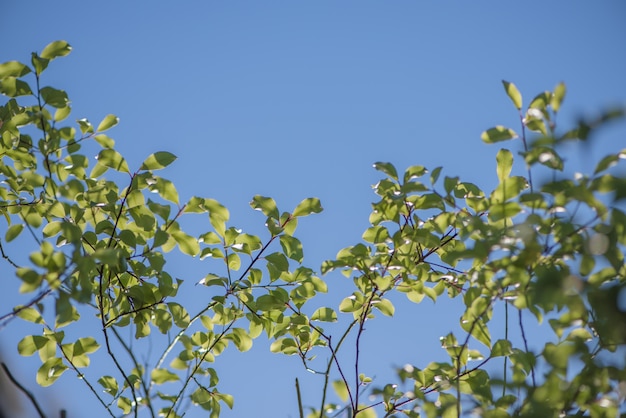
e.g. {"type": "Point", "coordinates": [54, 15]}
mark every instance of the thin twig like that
{"type": "Point", "coordinates": [300, 410]}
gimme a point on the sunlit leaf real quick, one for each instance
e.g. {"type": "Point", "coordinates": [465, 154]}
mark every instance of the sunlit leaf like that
{"type": "Point", "coordinates": [325, 315]}
{"type": "Point", "coordinates": [112, 159]}
{"type": "Point", "coordinates": [497, 134]}
{"type": "Point", "coordinates": [292, 247]}
{"type": "Point", "coordinates": [50, 371]}
{"type": "Point", "coordinates": [505, 163]}
{"type": "Point", "coordinates": [557, 96]}
{"type": "Point", "coordinates": [109, 384]}
{"type": "Point", "coordinates": [108, 122]}
{"type": "Point", "coordinates": [56, 49]}
{"type": "Point", "coordinates": [308, 206]}
{"type": "Point", "coordinates": [341, 389]}
{"type": "Point", "coordinates": [160, 376]}
{"type": "Point", "coordinates": [385, 307]}
{"type": "Point", "coordinates": [266, 205]}
{"type": "Point", "coordinates": [13, 232]}
{"type": "Point", "coordinates": [513, 93]}
{"type": "Point", "coordinates": [158, 160]}
{"type": "Point", "coordinates": [13, 69]}
{"type": "Point", "coordinates": [387, 168]}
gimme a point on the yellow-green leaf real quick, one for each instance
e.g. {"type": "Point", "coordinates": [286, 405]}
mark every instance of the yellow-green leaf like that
{"type": "Point", "coordinates": [497, 134]}
{"type": "Point", "coordinates": [160, 376]}
{"type": "Point", "coordinates": [514, 94]}
{"type": "Point", "coordinates": [13, 231]}
{"type": "Point", "coordinates": [325, 315]}
{"type": "Point", "coordinates": [50, 371]}
{"type": "Point", "coordinates": [108, 122]}
{"type": "Point", "coordinates": [56, 49]}
{"type": "Point", "coordinates": [504, 161]}
{"type": "Point", "coordinates": [13, 69]}
{"type": "Point", "coordinates": [112, 159]}
{"type": "Point", "coordinates": [307, 207]}
{"type": "Point", "coordinates": [341, 389]}
{"type": "Point", "coordinates": [158, 160]}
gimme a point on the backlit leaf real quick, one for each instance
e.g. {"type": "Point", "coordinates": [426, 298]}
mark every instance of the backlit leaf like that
{"type": "Point", "coordinates": [325, 315]}
{"type": "Point", "coordinates": [292, 247]}
{"type": "Point", "coordinates": [504, 160]}
{"type": "Point", "coordinates": [387, 168]}
{"type": "Point", "coordinates": [160, 376]}
{"type": "Point", "coordinates": [307, 207]}
{"type": "Point", "coordinates": [13, 69]}
{"type": "Point", "coordinates": [50, 371]}
{"type": "Point", "coordinates": [108, 122]}
{"type": "Point", "coordinates": [513, 93]}
{"type": "Point", "coordinates": [112, 159]}
{"type": "Point", "coordinates": [497, 134]}
{"type": "Point", "coordinates": [266, 205]}
{"type": "Point", "coordinates": [158, 160]}
{"type": "Point", "coordinates": [13, 232]}
{"type": "Point", "coordinates": [557, 96]}
{"type": "Point", "coordinates": [56, 49]}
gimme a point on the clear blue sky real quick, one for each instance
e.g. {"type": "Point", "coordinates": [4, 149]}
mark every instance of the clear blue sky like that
{"type": "Point", "coordinates": [297, 99]}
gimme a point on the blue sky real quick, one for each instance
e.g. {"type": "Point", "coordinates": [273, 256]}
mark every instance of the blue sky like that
{"type": "Point", "coordinates": [298, 99]}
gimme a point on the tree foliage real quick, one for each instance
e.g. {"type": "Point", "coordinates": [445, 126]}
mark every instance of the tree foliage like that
{"type": "Point", "coordinates": [99, 233]}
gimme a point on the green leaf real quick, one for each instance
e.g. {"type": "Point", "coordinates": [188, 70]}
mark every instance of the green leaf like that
{"type": "Point", "coordinates": [351, 303]}
{"type": "Point", "coordinates": [40, 64]}
{"type": "Point", "coordinates": [179, 314]}
{"type": "Point", "coordinates": [62, 113]}
{"type": "Point", "coordinates": [103, 140]}
{"type": "Point", "coordinates": [414, 172]}
{"type": "Point", "coordinates": [513, 93]}
{"type": "Point", "coordinates": [125, 404]}
{"type": "Point", "coordinates": [341, 389]}
{"type": "Point", "coordinates": [376, 234]}
{"type": "Point", "coordinates": [609, 161]}
{"type": "Point", "coordinates": [497, 134]}
{"type": "Point", "coordinates": [266, 205]}
{"type": "Point", "coordinates": [434, 176]}
{"type": "Point", "coordinates": [307, 207]}
{"type": "Point", "coordinates": [55, 98]}
{"type": "Point", "coordinates": [504, 161]}
{"type": "Point", "coordinates": [325, 315]}
{"type": "Point", "coordinates": [160, 376]}
{"type": "Point", "coordinates": [13, 69]}
{"type": "Point", "coordinates": [158, 160]}
{"type": "Point", "coordinates": [30, 344]}
{"type": "Point", "coordinates": [30, 315]}
{"type": "Point", "coordinates": [66, 313]}
{"type": "Point", "coordinates": [165, 189]}
{"type": "Point", "coordinates": [501, 348]}
{"type": "Point", "coordinates": [112, 159]}
{"type": "Point", "coordinates": [387, 168]}
{"type": "Point", "coordinates": [109, 384]}
{"type": "Point", "coordinates": [13, 232]}
{"type": "Point", "coordinates": [385, 307]}
{"type": "Point", "coordinates": [108, 122]}
{"type": "Point", "coordinates": [284, 345]}
{"type": "Point", "coordinates": [240, 338]}
{"type": "Point", "coordinates": [557, 96]}
{"type": "Point", "coordinates": [278, 260]}
{"type": "Point", "coordinates": [14, 87]}
{"type": "Point", "coordinates": [186, 243]}
{"type": "Point", "coordinates": [292, 247]}
{"type": "Point", "coordinates": [50, 371]}
{"type": "Point", "coordinates": [56, 49]}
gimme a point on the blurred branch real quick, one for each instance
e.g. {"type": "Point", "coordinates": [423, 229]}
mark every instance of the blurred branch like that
{"type": "Point", "coordinates": [26, 392]}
